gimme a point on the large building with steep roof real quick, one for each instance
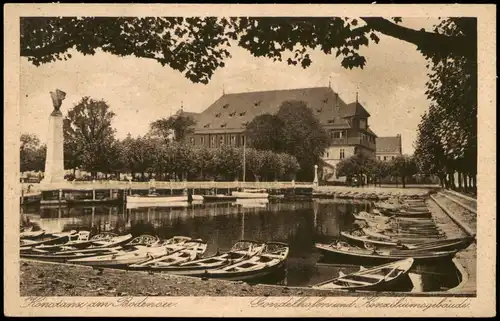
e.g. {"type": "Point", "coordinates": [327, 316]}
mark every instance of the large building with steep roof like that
{"type": "Point", "coordinates": [224, 121]}
{"type": "Point", "coordinates": [389, 147]}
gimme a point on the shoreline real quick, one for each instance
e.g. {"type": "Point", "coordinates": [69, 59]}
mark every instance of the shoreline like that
{"type": "Point", "coordinates": [60, 279]}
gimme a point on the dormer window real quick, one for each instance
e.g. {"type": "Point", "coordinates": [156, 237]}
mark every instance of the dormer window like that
{"type": "Point", "coordinates": [206, 126]}
{"type": "Point", "coordinates": [223, 125]}
{"type": "Point", "coordinates": [362, 123]}
{"type": "Point", "coordinates": [243, 113]}
{"type": "Point", "coordinates": [225, 106]}
{"type": "Point", "coordinates": [257, 103]}
{"type": "Point", "coordinates": [319, 110]}
{"type": "Point", "coordinates": [217, 115]}
{"type": "Point", "coordinates": [232, 114]}
{"type": "Point", "coordinates": [331, 121]}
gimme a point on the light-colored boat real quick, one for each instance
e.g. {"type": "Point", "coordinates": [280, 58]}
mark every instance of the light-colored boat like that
{"type": "Point", "coordinates": [29, 234]}
{"type": "Point", "coordinates": [240, 251]}
{"type": "Point", "coordinates": [138, 250]}
{"type": "Point", "coordinates": [251, 193]}
{"type": "Point", "coordinates": [380, 278]}
{"type": "Point", "coordinates": [270, 260]}
{"type": "Point", "coordinates": [159, 199]}
{"type": "Point", "coordinates": [190, 251]}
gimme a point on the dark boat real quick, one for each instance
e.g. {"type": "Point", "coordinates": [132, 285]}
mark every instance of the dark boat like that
{"type": "Point", "coordinates": [439, 245]}
{"type": "Point", "coordinates": [380, 278]}
{"type": "Point", "coordinates": [269, 261]}
{"type": "Point", "coordinates": [374, 256]}
{"type": "Point", "coordinates": [219, 198]}
{"type": "Point", "coordinates": [240, 251]}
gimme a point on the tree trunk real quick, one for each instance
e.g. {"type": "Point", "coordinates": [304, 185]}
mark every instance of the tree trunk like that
{"type": "Point", "coordinates": [474, 187]}
{"type": "Point", "coordinates": [403, 181]}
{"type": "Point", "coordinates": [460, 181]}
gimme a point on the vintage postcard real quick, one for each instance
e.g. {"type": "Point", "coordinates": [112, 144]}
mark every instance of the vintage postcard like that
{"type": "Point", "coordinates": [249, 160]}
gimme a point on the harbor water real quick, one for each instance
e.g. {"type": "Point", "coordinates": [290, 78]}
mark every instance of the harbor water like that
{"type": "Point", "coordinates": [300, 224]}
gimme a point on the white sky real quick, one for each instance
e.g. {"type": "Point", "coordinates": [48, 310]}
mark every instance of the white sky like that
{"type": "Point", "coordinates": [139, 91]}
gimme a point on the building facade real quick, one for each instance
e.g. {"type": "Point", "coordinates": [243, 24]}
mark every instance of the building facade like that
{"type": "Point", "coordinates": [347, 125]}
{"type": "Point", "coordinates": [389, 147]}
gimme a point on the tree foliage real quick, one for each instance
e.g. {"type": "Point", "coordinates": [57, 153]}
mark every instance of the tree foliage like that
{"type": "Point", "coordinates": [265, 132]}
{"type": "Point", "coordinates": [198, 46]}
{"type": "Point", "coordinates": [176, 127]}
{"type": "Point", "coordinates": [32, 153]}
{"type": "Point", "coordinates": [88, 135]}
{"type": "Point", "coordinates": [447, 134]}
{"type": "Point", "coordinates": [302, 136]}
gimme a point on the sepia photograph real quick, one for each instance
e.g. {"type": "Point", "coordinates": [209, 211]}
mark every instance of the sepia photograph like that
{"type": "Point", "coordinates": [301, 161]}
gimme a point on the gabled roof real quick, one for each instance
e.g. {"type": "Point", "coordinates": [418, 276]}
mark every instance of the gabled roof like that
{"type": "Point", "coordinates": [355, 109]}
{"type": "Point", "coordinates": [388, 144]}
{"type": "Point", "coordinates": [234, 111]}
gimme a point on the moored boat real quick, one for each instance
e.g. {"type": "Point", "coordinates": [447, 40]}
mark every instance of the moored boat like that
{"type": "Point", "coordinates": [48, 239]}
{"type": "Point", "coordinates": [342, 250]}
{"type": "Point", "coordinates": [380, 278]}
{"type": "Point", "coordinates": [219, 197]}
{"type": "Point", "coordinates": [190, 251]}
{"type": "Point", "coordinates": [101, 240]}
{"type": "Point", "coordinates": [269, 261]}
{"type": "Point", "coordinates": [251, 193]}
{"type": "Point", "coordinates": [241, 250]}
{"type": "Point", "coordinates": [30, 234]}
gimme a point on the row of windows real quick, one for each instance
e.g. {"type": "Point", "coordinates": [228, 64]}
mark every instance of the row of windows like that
{"type": "Point", "coordinates": [232, 140]}
{"type": "Point", "coordinates": [386, 157]}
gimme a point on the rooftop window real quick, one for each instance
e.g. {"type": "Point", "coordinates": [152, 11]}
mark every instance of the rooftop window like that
{"type": "Point", "coordinates": [217, 115]}
{"type": "Point", "coordinates": [232, 114]}
{"type": "Point", "coordinates": [257, 103]}
{"type": "Point", "coordinates": [206, 126]}
{"type": "Point", "coordinates": [319, 110]}
{"type": "Point", "coordinates": [243, 113]}
{"type": "Point", "coordinates": [331, 121]}
{"type": "Point", "coordinates": [225, 106]}
{"type": "Point", "coordinates": [223, 125]}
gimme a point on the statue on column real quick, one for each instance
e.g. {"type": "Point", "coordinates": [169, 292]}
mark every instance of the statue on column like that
{"type": "Point", "coordinates": [57, 98]}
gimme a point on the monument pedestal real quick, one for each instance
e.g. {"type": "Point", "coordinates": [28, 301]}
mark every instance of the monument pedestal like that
{"type": "Point", "coordinates": [54, 161]}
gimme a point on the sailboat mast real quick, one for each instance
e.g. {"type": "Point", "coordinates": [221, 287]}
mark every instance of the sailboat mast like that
{"type": "Point", "coordinates": [244, 160]}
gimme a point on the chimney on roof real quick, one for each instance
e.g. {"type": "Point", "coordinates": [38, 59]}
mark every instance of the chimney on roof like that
{"type": "Point", "coordinates": [357, 95]}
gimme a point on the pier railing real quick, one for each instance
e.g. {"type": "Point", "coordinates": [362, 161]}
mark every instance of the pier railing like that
{"type": "Point", "coordinates": [84, 185]}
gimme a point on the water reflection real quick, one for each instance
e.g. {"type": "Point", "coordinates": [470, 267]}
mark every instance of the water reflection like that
{"type": "Point", "coordinates": [299, 223]}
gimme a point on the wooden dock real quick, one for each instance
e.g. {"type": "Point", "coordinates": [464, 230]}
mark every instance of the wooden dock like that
{"type": "Point", "coordinates": [466, 260]}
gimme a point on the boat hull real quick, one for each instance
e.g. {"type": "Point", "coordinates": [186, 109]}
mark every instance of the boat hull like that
{"type": "Point", "coordinates": [374, 259]}
{"type": "Point", "coordinates": [250, 195]}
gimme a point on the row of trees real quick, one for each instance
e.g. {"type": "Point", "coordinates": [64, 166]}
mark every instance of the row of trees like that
{"type": "Point", "coordinates": [446, 145]}
{"type": "Point", "coordinates": [361, 165]}
{"type": "Point", "coordinates": [90, 145]}
{"type": "Point", "coordinates": [150, 156]}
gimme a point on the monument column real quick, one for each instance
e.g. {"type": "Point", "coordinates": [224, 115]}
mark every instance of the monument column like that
{"type": "Point", "coordinates": [54, 161]}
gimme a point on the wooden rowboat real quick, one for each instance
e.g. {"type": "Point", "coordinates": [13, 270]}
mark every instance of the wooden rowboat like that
{"type": "Point", "coordinates": [269, 261]}
{"type": "Point", "coordinates": [439, 245]}
{"type": "Point", "coordinates": [48, 239]}
{"type": "Point", "coordinates": [240, 251]}
{"type": "Point", "coordinates": [379, 278]}
{"type": "Point", "coordinates": [342, 250]}
{"type": "Point", "coordinates": [190, 251]}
